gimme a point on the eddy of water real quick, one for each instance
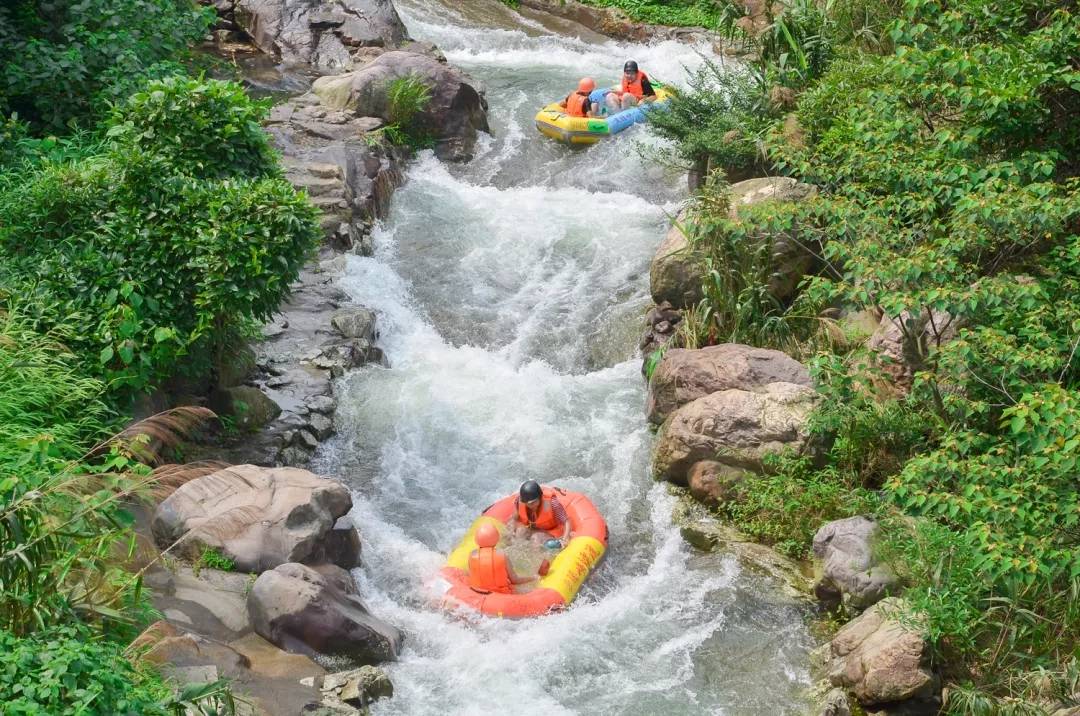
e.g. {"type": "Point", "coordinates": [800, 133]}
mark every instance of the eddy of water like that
{"type": "Point", "coordinates": [509, 293]}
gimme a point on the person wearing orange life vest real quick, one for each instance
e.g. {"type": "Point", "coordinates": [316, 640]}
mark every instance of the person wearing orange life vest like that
{"type": "Point", "coordinates": [538, 509]}
{"type": "Point", "coordinates": [577, 103]}
{"type": "Point", "coordinates": [634, 90]}
{"type": "Point", "coordinates": [489, 569]}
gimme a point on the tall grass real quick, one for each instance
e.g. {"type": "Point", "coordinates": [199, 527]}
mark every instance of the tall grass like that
{"type": "Point", "coordinates": [406, 99]}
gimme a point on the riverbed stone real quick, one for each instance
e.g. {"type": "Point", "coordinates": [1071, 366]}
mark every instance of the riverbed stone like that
{"type": "Point", "coordinates": [849, 564]}
{"type": "Point", "coordinates": [257, 517]}
{"type": "Point", "coordinates": [355, 322]}
{"type": "Point", "coordinates": [317, 33]}
{"type": "Point", "coordinates": [311, 611]}
{"type": "Point", "coordinates": [454, 116]}
{"type": "Point", "coordinates": [883, 656]}
{"type": "Point", "coordinates": [734, 427]}
{"type": "Point", "coordinates": [714, 483]}
{"type": "Point", "coordinates": [247, 405]}
{"type": "Point", "coordinates": [684, 375]}
{"type": "Point", "coordinates": [675, 275]}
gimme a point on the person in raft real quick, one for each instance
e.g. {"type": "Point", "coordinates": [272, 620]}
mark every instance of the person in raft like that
{"type": "Point", "coordinates": [489, 569]}
{"type": "Point", "coordinates": [538, 510]}
{"type": "Point", "coordinates": [577, 104]}
{"type": "Point", "coordinates": [635, 89]}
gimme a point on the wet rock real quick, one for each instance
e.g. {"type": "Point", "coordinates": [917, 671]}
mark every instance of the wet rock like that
{"type": "Point", "coordinates": [249, 406]}
{"type": "Point", "coordinates": [675, 275]}
{"type": "Point", "coordinates": [294, 456]}
{"type": "Point", "coordinates": [714, 483]}
{"type": "Point", "coordinates": [882, 660]}
{"type": "Point", "coordinates": [319, 33]}
{"type": "Point", "coordinates": [320, 426]}
{"type": "Point", "coordinates": [661, 322]}
{"type": "Point", "coordinates": [835, 703]}
{"type": "Point", "coordinates": [342, 545]}
{"type": "Point", "coordinates": [186, 650]}
{"type": "Point", "coordinates": [455, 114]}
{"type": "Point", "coordinates": [236, 368]}
{"type": "Point", "coordinates": [257, 517]}
{"type": "Point", "coordinates": [357, 687]}
{"type": "Point", "coordinates": [686, 375]}
{"type": "Point", "coordinates": [345, 355]}
{"type": "Point", "coordinates": [846, 549]}
{"type": "Point", "coordinates": [322, 404]}
{"type": "Point", "coordinates": [734, 427]}
{"type": "Point", "coordinates": [355, 323]}
{"type": "Point", "coordinates": [319, 612]}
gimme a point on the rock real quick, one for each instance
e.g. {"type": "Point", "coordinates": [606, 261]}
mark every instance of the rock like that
{"type": "Point", "coordinates": [320, 426]}
{"type": "Point", "coordinates": [835, 703]}
{"type": "Point", "coordinates": [250, 407]}
{"type": "Point", "coordinates": [357, 687]}
{"type": "Point", "coordinates": [902, 344]}
{"type": "Point", "coordinates": [318, 33]}
{"type": "Point", "coordinates": [661, 323]}
{"type": "Point", "coordinates": [344, 355]}
{"type": "Point", "coordinates": [318, 612]}
{"type": "Point", "coordinates": [342, 545]}
{"type": "Point", "coordinates": [845, 548]}
{"type": "Point", "coordinates": [235, 368]}
{"type": "Point", "coordinates": [791, 259]}
{"type": "Point", "coordinates": [686, 375]}
{"type": "Point", "coordinates": [456, 112]}
{"type": "Point", "coordinates": [184, 675]}
{"type": "Point", "coordinates": [355, 323]}
{"type": "Point", "coordinates": [322, 404]}
{"type": "Point", "coordinates": [194, 650]}
{"type": "Point", "coordinates": [734, 427]}
{"type": "Point", "coordinates": [881, 660]}
{"type": "Point", "coordinates": [713, 483]}
{"type": "Point", "coordinates": [675, 275]}
{"type": "Point", "coordinates": [258, 517]}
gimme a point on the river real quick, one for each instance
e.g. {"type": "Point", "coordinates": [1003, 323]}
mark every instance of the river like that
{"type": "Point", "coordinates": [510, 292]}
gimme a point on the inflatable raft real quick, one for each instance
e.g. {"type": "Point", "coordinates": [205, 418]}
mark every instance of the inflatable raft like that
{"type": "Point", "coordinates": [564, 577]}
{"type": "Point", "coordinates": [554, 122]}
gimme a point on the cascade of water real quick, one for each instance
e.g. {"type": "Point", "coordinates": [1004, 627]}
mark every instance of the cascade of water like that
{"type": "Point", "coordinates": [509, 293]}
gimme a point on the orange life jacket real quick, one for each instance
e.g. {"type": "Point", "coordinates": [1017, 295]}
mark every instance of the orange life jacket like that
{"type": "Point", "coordinates": [488, 571]}
{"type": "Point", "coordinates": [545, 516]}
{"type": "Point", "coordinates": [577, 105]}
{"type": "Point", "coordinates": [634, 87]}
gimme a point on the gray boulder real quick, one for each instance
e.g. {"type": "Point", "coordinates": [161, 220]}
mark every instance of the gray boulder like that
{"type": "Point", "coordinates": [734, 427]}
{"type": "Point", "coordinates": [901, 344]}
{"type": "Point", "coordinates": [455, 114]}
{"type": "Point", "coordinates": [835, 703]}
{"type": "Point", "coordinates": [248, 406]}
{"type": "Point", "coordinates": [846, 550]}
{"type": "Point", "coordinates": [883, 657]}
{"type": "Point", "coordinates": [685, 375]}
{"type": "Point", "coordinates": [675, 275]}
{"type": "Point", "coordinates": [714, 483]}
{"type": "Point", "coordinates": [258, 517]}
{"type": "Point", "coordinates": [356, 322]}
{"type": "Point", "coordinates": [311, 611]}
{"type": "Point", "coordinates": [319, 33]}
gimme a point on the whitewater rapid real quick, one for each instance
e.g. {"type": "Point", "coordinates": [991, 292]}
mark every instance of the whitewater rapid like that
{"type": "Point", "coordinates": [509, 294]}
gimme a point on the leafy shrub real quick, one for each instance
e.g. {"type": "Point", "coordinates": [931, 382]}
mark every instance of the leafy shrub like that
{"type": "Point", "coordinates": [203, 128]}
{"type": "Point", "coordinates": [679, 13]}
{"type": "Point", "coordinates": [61, 60]}
{"type": "Point", "coordinates": [407, 98]}
{"type": "Point", "coordinates": [147, 261]}
{"type": "Point", "coordinates": [68, 670]}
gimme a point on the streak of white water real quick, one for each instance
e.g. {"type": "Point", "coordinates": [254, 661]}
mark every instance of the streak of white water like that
{"type": "Point", "coordinates": [508, 292]}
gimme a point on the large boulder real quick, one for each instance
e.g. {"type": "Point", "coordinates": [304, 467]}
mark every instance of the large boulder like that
{"type": "Point", "coordinates": [248, 406]}
{"type": "Point", "coordinates": [849, 566]}
{"type": "Point", "coordinates": [901, 344]}
{"type": "Point", "coordinates": [714, 483]}
{"type": "Point", "coordinates": [675, 275]}
{"type": "Point", "coordinates": [883, 657]}
{"type": "Point", "coordinates": [685, 375]}
{"type": "Point", "coordinates": [317, 32]}
{"type": "Point", "coordinates": [454, 115]}
{"type": "Point", "coordinates": [311, 611]}
{"type": "Point", "coordinates": [737, 428]}
{"type": "Point", "coordinates": [258, 517]}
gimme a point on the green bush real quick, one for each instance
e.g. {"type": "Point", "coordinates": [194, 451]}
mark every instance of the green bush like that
{"type": "Point", "coordinates": [406, 99]}
{"type": "Point", "coordinates": [678, 13]}
{"type": "Point", "coordinates": [62, 60]}
{"type": "Point", "coordinates": [145, 257]}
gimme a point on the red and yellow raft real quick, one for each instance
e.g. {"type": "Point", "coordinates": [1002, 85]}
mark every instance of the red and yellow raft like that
{"type": "Point", "coordinates": [555, 590]}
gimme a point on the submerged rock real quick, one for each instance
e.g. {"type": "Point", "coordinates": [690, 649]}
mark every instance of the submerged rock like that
{"type": "Point", "coordinates": [314, 611]}
{"type": "Point", "coordinates": [454, 115]}
{"type": "Point", "coordinates": [257, 517]}
{"type": "Point", "coordinates": [685, 375]}
{"type": "Point", "coordinates": [734, 427]}
{"type": "Point", "coordinates": [846, 549]}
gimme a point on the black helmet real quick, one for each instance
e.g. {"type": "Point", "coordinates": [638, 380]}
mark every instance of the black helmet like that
{"type": "Point", "coordinates": [530, 490]}
{"type": "Point", "coordinates": [630, 66]}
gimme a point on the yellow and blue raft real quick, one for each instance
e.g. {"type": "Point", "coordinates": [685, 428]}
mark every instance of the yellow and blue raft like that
{"type": "Point", "coordinates": [554, 122]}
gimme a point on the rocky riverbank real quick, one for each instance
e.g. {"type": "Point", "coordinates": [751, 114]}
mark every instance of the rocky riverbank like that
{"type": "Point", "coordinates": [720, 410]}
{"type": "Point", "coordinates": [250, 555]}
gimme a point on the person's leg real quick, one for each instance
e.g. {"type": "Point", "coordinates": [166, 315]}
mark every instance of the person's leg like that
{"type": "Point", "coordinates": [612, 102]}
{"type": "Point", "coordinates": [628, 101]}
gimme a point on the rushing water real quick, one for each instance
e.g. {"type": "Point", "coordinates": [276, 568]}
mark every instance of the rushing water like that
{"type": "Point", "coordinates": [510, 292]}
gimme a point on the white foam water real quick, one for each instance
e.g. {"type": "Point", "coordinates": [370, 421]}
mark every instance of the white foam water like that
{"type": "Point", "coordinates": [509, 292]}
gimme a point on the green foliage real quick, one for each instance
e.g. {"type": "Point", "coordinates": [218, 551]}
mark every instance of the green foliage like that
{"type": "Point", "coordinates": [677, 13]}
{"type": "Point", "coordinates": [204, 128]}
{"type": "Point", "coordinates": [145, 257]}
{"type": "Point", "coordinates": [69, 670]}
{"type": "Point", "coordinates": [61, 60]}
{"type": "Point", "coordinates": [406, 99]}
{"type": "Point", "coordinates": [212, 559]}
